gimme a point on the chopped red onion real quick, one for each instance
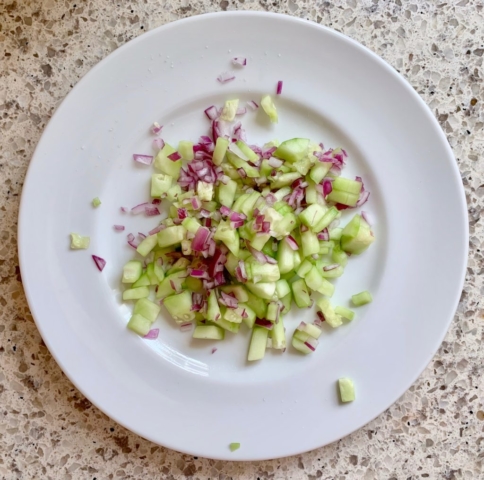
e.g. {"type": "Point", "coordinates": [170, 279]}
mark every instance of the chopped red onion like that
{"type": "Point", "coordinates": [197, 273]}
{"type": "Point", "coordinates": [182, 213]}
{"type": "Point", "coordinates": [239, 61]}
{"type": "Point", "coordinates": [226, 77]}
{"type": "Point", "coordinates": [158, 143]}
{"type": "Point", "coordinates": [327, 186]}
{"type": "Point", "coordinates": [228, 300]}
{"type": "Point", "coordinates": [196, 204]}
{"type": "Point", "coordinates": [237, 151]}
{"type": "Point", "coordinates": [328, 268]}
{"type": "Point", "coordinates": [237, 217]}
{"type": "Point", "coordinates": [311, 343]}
{"type": "Point", "coordinates": [152, 334]}
{"type": "Point", "coordinates": [152, 210]}
{"type": "Point", "coordinates": [291, 242]}
{"type": "Point", "coordinates": [262, 322]}
{"type": "Point", "coordinates": [119, 228]}
{"type": "Point", "coordinates": [175, 156]}
{"type": "Point", "coordinates": [185, 327]}
{"type": "Point", "coordinates": [241, 111]}
{"type": "Point", "coordinates": [214, 350]}
{"type": "Point", "coordinates": [200, 239]}
{"type": "Point", "coordinates": [143, 159]}
{"type": "Point", "coordinates": [270, 260]}
{"type": "Point", "coordinates": [279, 87]}
{"type": "Point", "coordinates": [156, 201]}
{"type": "Point", "coordinates": [242, 172]}
{"type": "Point", "coordinates": [100, 262]}
{"type": "Point", "coordinates": [156, 128]}
{"type": "Point", "coordinates": [259, 256]}
{"type": "Point", "coordinates": [323, 235]}
{"type": "Point", "coordinates": [321, 316]}
{"type": "Point", "coordinates": [211, 112]}
{"type": "Point", "coordinates": [364, 216]}
{"type": "Point", "coordinates": [140, 208]}
{"type": "Point", "coordinates": [253, 105]}
{"type": "Point", "coordinates": [123, 209]}
{"type": "Point", "coordinates": [157, 229]}
{"type": "Point", "coordinates": [141, 235]}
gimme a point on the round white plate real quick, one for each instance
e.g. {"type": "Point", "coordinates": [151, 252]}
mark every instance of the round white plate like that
{"type": "Point", "coordinates": [174, 391]}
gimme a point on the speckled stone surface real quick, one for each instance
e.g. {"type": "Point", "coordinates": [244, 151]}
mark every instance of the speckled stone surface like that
{"type": "Point", "coordinates": [48, 430]}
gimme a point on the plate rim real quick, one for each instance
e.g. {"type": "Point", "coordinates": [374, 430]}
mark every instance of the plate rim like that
{"type": "Point", "coordinates": [429, 117]}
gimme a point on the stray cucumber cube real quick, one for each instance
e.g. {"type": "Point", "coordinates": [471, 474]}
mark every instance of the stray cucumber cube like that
{"type": "Point", "coordinates": [234, 446]}
{"type": "Point", "coordinates": [346, 390]}
{"type": "Point", "coordinates": [136, 293]}
{"type": "Point", "coordinates": [139, 324]}
{"type": "Point", "coordinates": [258, 344]}
{"type": "Point", "coordinates": [208, 332]}
{"type": "Point", "coordinates": [78, 242]}
{"type": "Point", "coordinates": [147, 309]}
{"type": "Point", "coordinates": [96, 202]}
{"type": "Point", "coordinates": [361, 298]}
{"type": "Point", "coordinates": [132, 271]}
{"type": "Point", "coordinates": [345, 313]}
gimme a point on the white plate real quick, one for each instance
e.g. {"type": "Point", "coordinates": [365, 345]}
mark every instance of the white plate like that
{"type": "Point", "coordinates": [173, 391]}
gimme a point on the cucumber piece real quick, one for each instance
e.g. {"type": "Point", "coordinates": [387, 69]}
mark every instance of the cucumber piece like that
{"type": "Point", "coordinates": [132, 271]}
{"type": "Point", "coordinates": [328, 217]}
{"type": "Point", "coordinates": [284, 179]}
{"type": "Point", "coordinates": [163, 163]}
{"type": "Point", "coordinates": [272, 311]}
{"type": "Point", "coordinates": [267, 272]}
{"type": "Point", "coordinates": [147, 309]}
{"type": "Point", "coordinates": [205, 191]}
{"type": "Point", "coordinates": [139, 324]}
{"type": "Point", "coordinates": [179, 306]}
{"type": "Point", "coordinates": [309, 243]}
{"type": "Point", "coordinates": [357, 236]}
{"type": "Point", "coordinates": [347, 185]}
{"type": "Point", "coordinates": [143, 281]}
{"type": "Point", "coordinates": [334, 273]}
{"type": "Point", "coordinates": [228, 235]}
{"type": "Point", "coordinates": [239, 202]}
{"type": "Point", "coordinates": [185, 149]}
{"type": "Point", "coordinates": [78, 242]}
{"type": "Point", "coordinates": [165, 288]}
{"type": "Point", "coordinates": [302, 166]}
{"type": "Point", "coordinates": [300, 292]}
{"type": "Point", "coordinates": [237, 162]}
{"type": "Point", "coordinates": [263, 290]}
{"type": "Point", "coordinates": [345, 313]}
{"type": "Point", "coordinates": [312, 215]}
{"type": "Point", "coordinates": [171, 236]}
{"type": "Point", "coordinates": [234, 446]}
{"type": "Point", "coordinates": [221, 146]}
{"type": "Point", "coordinates": [158, 271]}
{"type": "Point", "coordinates": [278, 335]}
{"type": "Point", "coordinates": [229, 110]}
{"type": "Point", "coordinates": [181, 264]}
{"type": "Point", "coordinates": [160, 184]}
{"type": "Point", "coordinates": [345, 198]}
{"type": "Point", "coordinates": [361, 298]}
{"type": "Point", "coordinates": [238, 291]}
{"type": "Point", "coordinates": [285, 257]}
{"type": "Point", "coordinates": [248, 205]}
{"type": "Point", "coordinates": [233, 315]}
{"type": "Point", "coordinates": [150, 272]}
{"type": "Point", "coordinates": [319, 171]}
{"type": "Point", "coordinates": [286, 301]}
{"type": "Point", "coordinates": [338, 256]}
{"type": "Point", "coordinates": [316, 282]}
{"type": "Point", "coordinates": [331, 317]}
{"type": "Point", "coordinates": [259, 240]}
{"type": "Point", "coordinates": [335, 234]}
{"type": "Point", "coordinates": [194, 284]}
{"type": "Point", "coordinates": [268, 106]}
{"type": "Point", "coordinates": [96, 202]}
{"type": "Point", "coordinates": [190, 224]}
{"type": "Point", "coordinates": [147, 245]}
{"type": "Point", "coordinates": [304, 269]}
{"type": "Point", "coordinates": [213, 309]}
{"type": "Point", "coordinates": [346, 390]}
{"type": "Point", "coordinates": [229, 326]}
{"type": "Point", "coordinates": [282, 288]}
{"type": "Point", "coordinates": [250, 316]}
{"type": "Point", "coordinates": [293, 150]}
{"type": "Point", "coordinates": [136, 293]}
{"type": "Point", "coordinates": [258, 344]}
{"type": "Point", "coordinates": [247, 151]}
{"type": "Point", "coordinates": [310, 329]}
{"type": "Point", "coordinates": [173, 193]}
{"type": "Point", "coordinates": [257, 304]}
{"type": "Point", "coordinates": [226, 193]}
{"type": "Point", "coordinates": [208, 332]}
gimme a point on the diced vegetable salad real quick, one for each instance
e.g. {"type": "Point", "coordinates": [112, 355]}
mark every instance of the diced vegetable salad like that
{"type": "Point", "coordinates": [251, 231]}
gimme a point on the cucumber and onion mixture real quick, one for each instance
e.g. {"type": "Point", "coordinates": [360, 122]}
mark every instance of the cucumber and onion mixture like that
{"type": "Point", "coordinates": [250, 231]}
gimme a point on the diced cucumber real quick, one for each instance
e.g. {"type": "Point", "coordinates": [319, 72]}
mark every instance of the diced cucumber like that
{"type": "Point", "coordinates": [229, 110]}
{"type": "Point", "coordinates": [234, 446]}
{"type": "Point", "coordinates": [226, 193]}
{"type": "Point", "coordinates": [263, 290]}
{"type": "Point", "coordinates": [96, 202]}
{"type": "Point", "coordinates": [179, 306]}
{"type": "Point", "coordinates": [345, 198]}
{"type": "Point", "coordinates": [181, 264]}
{"type": "Point", "coordinates": [160, 184]}
{"type": "Point", "coordinates": [347, 185]}
{"type": "Point", "coordinates": [338, 256]}
{"type": "Point", "coordinates": [147, 309]}
{"type": "Point", "coordinates": [286, 301]}
{"type": "Point", "coordinates": [315, 281]}
{"type": "Point", "coordinates": [335, 234]}
{"type": "Point", "coordinates": [205, 191]}
{"type": "Point", "coordinates": [238, 291]}
{"type": "Point", "coordinates": [282, 288]}
{"type": "Point", "coordinates": [173, 193]}
{"type": "Point", "coordinates": [301, 346]}
{"type": "Point", "coordinates": [333, 273]}
{"type": "Point", "coordinates": [357, 236]}
{"type": "Point", "coordinates": [304, 268]}
{"type": "Point", "coordinates": [257, 304]}
{"type": "Point", "coordinates": [258, 344]}
{"type": "Point", "coordinates": [139, 324]}
{"type": "Point", "coordinates": [143, 281]}
{"type": "Point", "coordinates": [208, 332]}
{"type": "Point", "coordinates": [226, 325]}
{"type": "Point", "coordinates": [163, 163]}
{"type": "Point", "coordinates": [78, 242]}
{"type": "Point", "coordinates": [272, 311]}
{"type": "Point", "coordinates": [191, 224]}
{"type": "Point", "coordinates": [284, 180]}
{"type": "Point", "coordinates": [278, 335]}
{"type": "Point", "coordinates": [165, 288]}
{"type": "Point", "coordinates": [147, 245]}
{"type": "Point", "coordinates": [247, 151]}
{"type": "Point", "coordinates": [300, 292]}
{"type": "Point", "coordinates": [319, 171]}
{"type": "Point", "coordinates": [228, 235]}
{"type": "Point", "coordinates": [267, 272]}
{"type": "Point", "coordinates": [309, 243]}
{"type": "Point", "coordinates": [268, 106]}
{"type": "Point", "coordinates": [150, 273]}
{"type": "Point", "coordinates": [213, 309]}
{"type": "Point", "coordinates": [221, 146]}
{"type": "Point", "coordinates": [361, 298]}
{"type": "Point", "coordinates": [185, 149]}
{"type": "Point", "coordinates": [328, 217]}
{"type": "Point", "coordinates": [136, 293]}
{"type": "Point", "coordinates": [233, 315]}
{"type": "Point", "coordinates": [171, 236]}
{"type": "Point", "coordinates": [132, 271]}
{"type": "Point", "coordinates": [345, 312]}
{"type": "Point", "coordinates": [312, 215]}
{"type": "Point", "coordinates": [250, 317]}
{"type": "Point", "coordinates": [310, 329]}
{"type": "Point", "coordinates": [331, 317]}
{"type": "Point", "coordinates": [293, 150]}
{"type": "Point", "coordinates": [346, 390]}
{"type": "Point", "coordinates": [285, 257]}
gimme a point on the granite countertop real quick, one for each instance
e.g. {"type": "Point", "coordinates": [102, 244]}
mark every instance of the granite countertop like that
{"type": "Point", "coordinates": [48, 430]}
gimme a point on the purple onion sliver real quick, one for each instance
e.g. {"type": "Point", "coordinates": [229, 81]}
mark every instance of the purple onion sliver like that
{"type": "Point", "coordinates": [158, 143]}
{"type": "Point", "coordinates": [241, 111]}
{"type": "Point", "coordinates": [140, 208]}
{"type": "Point", "coordinates": [253, 105]}
{"type": "Point", "coordinates": [226, 77]}
{"type": "Point", "coordinates": [156, 128]}
{"type": "Point", "coordinates": [174, 157]}
{"type": "Point", "coordinates": [365, 217]}
{"type": "Point", "coordinates": [214, 350]}
{"type": "Point", "coordinates": [119, 228]}
{"type": "Point", "coordinates": [143, 159]}
{"type": "Point", "coordinates": [152, 334]}
{"type": "Point", "coordinates": [211, 112]}
{"type": "Point", "coordinates": [279, 87]}
{"type": "Point", "coordinates": [157, 229]}
{"type": "Point", "coordinates": [100, 262]}
{"type": "Point", "coordinates": [363, 198]}
{"type": "Point", "coordinates": [151, 211]}
{"type": "Point", "coordinates": [242, 61]}
{"type": "Point", "coordinates": [185, 327]}
{"type": "Point", "coordinates": [262, 322]}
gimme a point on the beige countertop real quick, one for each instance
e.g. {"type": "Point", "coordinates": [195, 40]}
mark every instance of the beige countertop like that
{"type": "Point", "coordinates": [48, 430]}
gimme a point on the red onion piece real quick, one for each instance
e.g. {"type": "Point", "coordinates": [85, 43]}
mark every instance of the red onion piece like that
{"type": "Point", "coordinates": [323, 235]}
{"type": "Point", "coordinates": [237, 217]}
{"type": "Point", "coordinates": [327, 186]}
{"type": "Point", "coordinates": [242, 61]}
{"type": "Point", "coordinates": [157, 229]}
{"type": "Point", "coordinates": [279, 87]}
{"type": "Point", "coordinates": [259, 256]}
{"type": "Point", "coordinates": [228, 300]}
{"type": "Point", "coordinates": [156, 128]}
{"type": "Point", "coordinates": [321, 316]}
{"type": "Point", "coordinates": [123, 209]}
{"type": "Point", "coordinates": [363, 198]}
{"type": "Point", "coordinates": [152, 210]}
{"type": "Point", "coordinates": [141, 235]}
{"type": "Point", "coordinates": [175, 156]}
{"type": "Point", "coordinates": [271, 260]}
{"type": "Point", "coordinates": [200, 239]}
{"type": "Point", "coordinates": [226, 77]}
{"type": "Point", "coordinates": [262, 322]}
{"type": "Point", "coordinates": [140, 208]}
{"type": "Point", "coordinates": [253, 105]}
{"type": "Point", "coordinates": [311, 343]}
{"type": "Point", "coordinates": [290, 240]}
{"type": "Point", "coordinates": [241, 111]}
{"type": "Point", "coordinates": [214, 350]}
{"type": "Point", "coordinates": [143, 159]}
{"type": "Point", "coordinates": [152, 334]}
{"type": "Point", "coordinates": [328, 268]}
{"type": "Point", "coordinates": [158, 143]}
{"type": "Point", "coordinates": [185, 327]}
{"type": "Point", "coordinates": [100, 262]}
{"type": "Point", "coordinates": [365, 217]}
{"type": "Point", "coordinates": [119, 228]}
{"type": "Point", "coordinates": [242, 173]}
{"type": "Point", "coordinates": [211, 112]}
{"type": "Point", "coordinates": [197, 273]}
